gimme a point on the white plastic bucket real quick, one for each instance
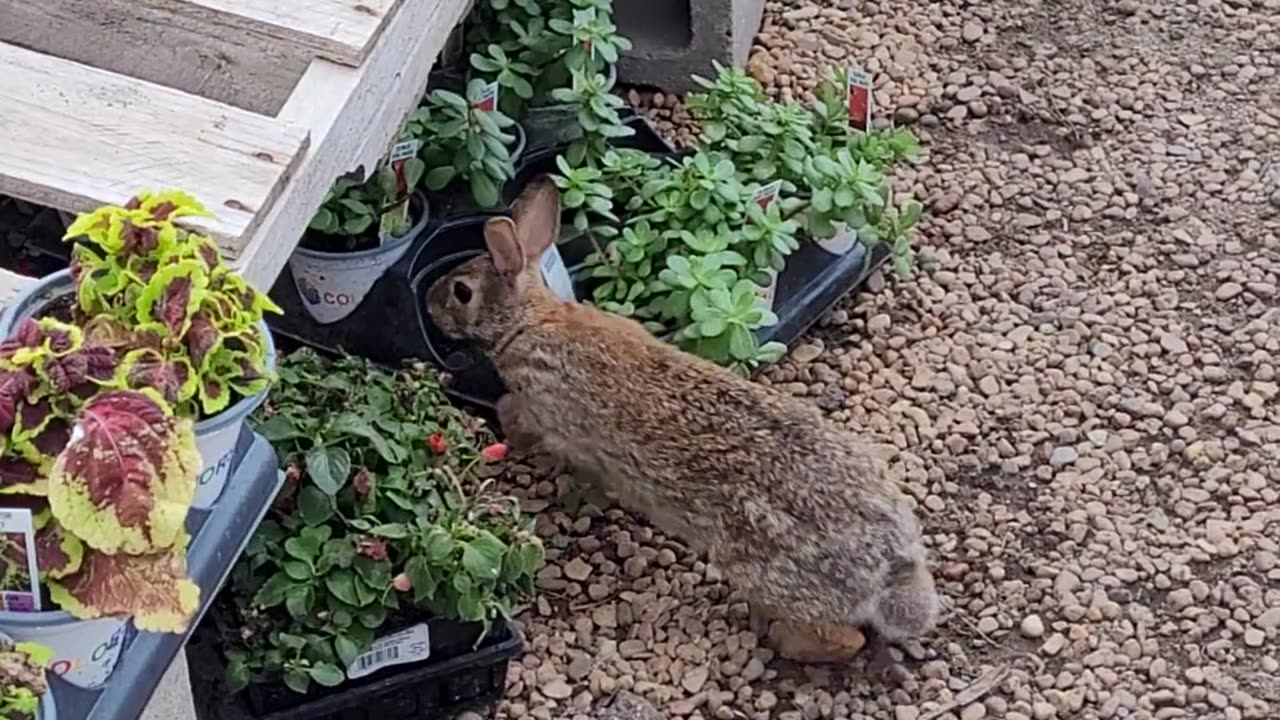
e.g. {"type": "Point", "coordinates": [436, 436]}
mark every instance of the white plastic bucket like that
{"type": "Point", "coordinates": [332, 285]}
{"type": "Point", "coordinates": [85, 652]}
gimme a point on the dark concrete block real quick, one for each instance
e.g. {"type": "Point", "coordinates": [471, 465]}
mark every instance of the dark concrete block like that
{"type": "Point", "coordinates": [674, 38]}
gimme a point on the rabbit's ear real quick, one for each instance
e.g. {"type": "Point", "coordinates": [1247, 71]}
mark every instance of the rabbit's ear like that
{"type": "Point", "coordinates": [537, 214]}
{"type": "Point", "coordinates": [504, 248]}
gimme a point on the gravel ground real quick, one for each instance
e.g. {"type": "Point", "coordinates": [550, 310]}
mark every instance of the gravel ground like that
{"type": "Point", "coordinates": [1081, 380]}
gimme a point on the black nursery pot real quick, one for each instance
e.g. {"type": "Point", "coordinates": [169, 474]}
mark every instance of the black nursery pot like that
{"type": "Point", "coordinates": [392, 324]}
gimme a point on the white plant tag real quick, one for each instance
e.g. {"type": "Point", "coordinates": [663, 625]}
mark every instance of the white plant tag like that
{"type": "Point", "coordinates": [404, 150]}
{"type": "Point", "coordinates": [400, 648]}
{"type": "Point", "coordinates": [21, 590]}
{"type": "Point", "coordinates": [556, 275]}
{"type": "Point", "coordinates": [488, 101]}
{"type": "Point", "coordinates": [766, 194]}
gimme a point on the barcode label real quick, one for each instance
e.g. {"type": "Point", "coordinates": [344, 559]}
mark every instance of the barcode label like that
{"type": "Point", "coordinates": [555, 274]}
{"type": "Point", "coordinates": [406, 646]}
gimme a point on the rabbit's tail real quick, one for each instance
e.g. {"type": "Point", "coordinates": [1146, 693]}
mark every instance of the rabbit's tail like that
{"type": "Point", "coordinates": [908, 606]}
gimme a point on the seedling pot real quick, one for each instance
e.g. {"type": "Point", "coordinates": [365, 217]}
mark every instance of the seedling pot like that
{"type": "Point", "coordinates": [332, 285]}
{"type": "Point", "coordinates": [85, 652]}
{"type": "Point", "coordinates": [215, 436]}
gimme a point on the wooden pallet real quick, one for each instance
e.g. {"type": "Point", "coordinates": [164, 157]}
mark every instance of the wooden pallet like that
{"type": "Point", "coordinates": [253, 106]}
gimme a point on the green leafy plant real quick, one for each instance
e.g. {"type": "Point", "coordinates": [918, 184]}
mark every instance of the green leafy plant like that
{"type": "Point", "coordinates": [162, 298]}
{"type": "Point", "coordinates": [22, 679]}
{"type": "Point", "coordinates": [597, 114]}
{"type": "Point", "coordinates": [466, 143]}
{"type": "Point", "coordinates": [385, 518]}
{"type": "Point", "coordinates": [514, 77]}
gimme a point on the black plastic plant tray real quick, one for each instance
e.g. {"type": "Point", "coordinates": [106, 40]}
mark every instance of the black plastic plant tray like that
{"type": "Point", "coordinates": [218, 537]}
{"type": "Point", "coordinates": [455, 678]}
{"type": "Point", "coordinates": [812, 282]}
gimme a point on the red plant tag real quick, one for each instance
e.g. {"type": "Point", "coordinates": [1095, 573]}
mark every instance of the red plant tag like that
{"type": "Point", "coordinates": [488, 101]}
{"type": "Point", "coordinates": [859, 99]}
{"type": "Point", "coordinates": [765, 195]}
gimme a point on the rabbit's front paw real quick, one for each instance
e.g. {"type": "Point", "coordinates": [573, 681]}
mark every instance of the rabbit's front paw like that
{"type": "Point", "coordinates": [520, 437]}
{"type": "Point", "coordinates": [806, 643]}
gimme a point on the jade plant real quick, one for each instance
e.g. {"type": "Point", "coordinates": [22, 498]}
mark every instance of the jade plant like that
{"type": "Point", "coordinates": [22, 679]}
{"type": "Point", "coordinates": [354, 213]}
{"type": "Point", "coordinates": [386, 517]}
{"type": "Point", "coordinates": [693, 254]}
{"type": "Point", "coordinates": [833, 178]}
{"type": "Point", "coordinates": [164, 300]}
{"type": "Point", "coordinates": [543, 43]}
{"type": "Point", "coordinates": [467, 143]}
{"type": "Point", "coordinates": [596, 111]}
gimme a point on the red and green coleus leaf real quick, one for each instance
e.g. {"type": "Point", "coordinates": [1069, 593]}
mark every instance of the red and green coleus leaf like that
{"type": "Point", "coordinates": [203, 340]}
{"type": "Point", "coordinates": [246, 297]}
{"type": "Point", "coordinates": [172, 377]}
{"type": "Point", "coordinates": [18, 475]}
{"type": "Point", "coordinates": [58, 552]}
{"type": "Point", "coordinates": [127, 477]}
{"type": "Point", "coordinates": [173, 295]}
{"type": "Point", "coordinates": [153, 588]}
{"type": "Point", "coordinates": [15, 385]}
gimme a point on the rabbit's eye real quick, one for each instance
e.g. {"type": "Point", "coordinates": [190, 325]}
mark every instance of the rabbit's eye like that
{"type": "Point", "coordinates": [461, 292]}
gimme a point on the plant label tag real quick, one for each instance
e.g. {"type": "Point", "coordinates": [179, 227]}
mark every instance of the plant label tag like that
{"type": "Point", "coordinates": [845, 239]}
{"type": "Point", "coordinates": [556, 275]}
{"type": "Point", "coordinates": [488, 101]}
{"type": "Point", "coordinates": [409, 645]}
{"type": "Point", "coordinates": [404, 150]}
{"type": "Point", "coordinates": [393, 224]}
{"type": "Point", "coordinates": [19, 576]}
{"type": "Point", "coordinates": [765, 195]}
{"type": "Point", "coordinates": [859, 99]}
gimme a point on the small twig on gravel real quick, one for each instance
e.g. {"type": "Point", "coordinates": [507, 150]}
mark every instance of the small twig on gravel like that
{"type": "Point", "coordinates": [973, 693]}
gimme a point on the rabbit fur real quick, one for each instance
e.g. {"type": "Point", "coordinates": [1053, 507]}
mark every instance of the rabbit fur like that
{"type": "Point", "coordinates": [796, 511]}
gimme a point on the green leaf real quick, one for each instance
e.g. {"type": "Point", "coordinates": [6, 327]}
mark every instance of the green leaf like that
{"type": "Point", "coordinates": [347, 649]}
{"type": "Point", "coordinates": [342, 584]}
{"type": "Point", "coordinates": [742, 344]}
{"type": "Point", "coordinates": [299, 601]}
{"type": "Point", "coordinates": [424, 581]}
{"type": "Point", "coordinates": [297, 570]}
{"type": "Point", "coordinates": [470, 608]}
{"type": "Point", "coordinates": [303, 547]}
{"type": "Point", "coordinates": [273, 591]}
{"type": "Point", "coordinates": [484, 190]}
{"type": "Point", "coordinates": [297, 680]}
{"type": "Point", "coordinates": [439, 545]}
{"type": "Point", "coordinates": [328, 468]}
{"type": "Point", "coordinates": [278, 428]}
{"type": "Point", "coordinates": [327, 674]}
{"type": "Point", "coordinates": [394, 531]}
{"type": "Point", "coordinates": [439, 178]}
{"type": "Point", "coordinates": [316, 507]}
{"type": "Point", "coordinates": [353, 424]}
{"type": "Point", "coordinates": [482, 556]}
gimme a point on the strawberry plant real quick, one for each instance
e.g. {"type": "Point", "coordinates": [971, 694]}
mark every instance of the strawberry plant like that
{"type": "Point", "coordinates": [162, 298]}
{"type": "Point", "coordinates": [22, 679]}
{"type": "Point", "coordinates": [385, 518]}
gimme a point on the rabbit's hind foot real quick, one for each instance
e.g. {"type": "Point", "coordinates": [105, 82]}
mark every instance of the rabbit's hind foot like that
{"type": "Point", "coordinates": [814, 644]}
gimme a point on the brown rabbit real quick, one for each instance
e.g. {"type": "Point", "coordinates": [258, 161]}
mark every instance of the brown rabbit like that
{"type": "Point", "coordinates": [794, 510]}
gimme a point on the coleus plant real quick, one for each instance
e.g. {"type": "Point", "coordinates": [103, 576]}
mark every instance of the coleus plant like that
{"type": "Point", "coordinates": [22, 679]}
{"type": "Point", "coordinates": [384, 515]}
{"type": "Point", "coordinates": [109, 472]}
{"type": "Point", "coordinates": [162, 298]}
